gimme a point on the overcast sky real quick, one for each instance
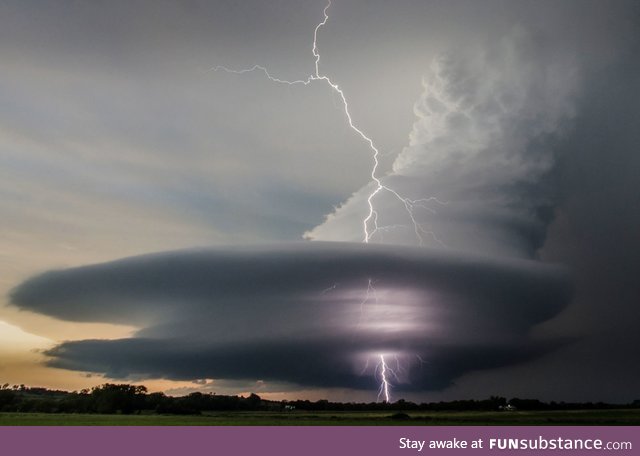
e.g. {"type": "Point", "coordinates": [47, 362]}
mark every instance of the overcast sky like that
{"type": "Point", "coordinates": [510, 126]}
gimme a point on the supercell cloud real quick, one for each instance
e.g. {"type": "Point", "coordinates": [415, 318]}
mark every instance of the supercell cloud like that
{"type": "Point", "coordinates": [298, 313]}
{"type": "Point", "coordinates": [525, 132]}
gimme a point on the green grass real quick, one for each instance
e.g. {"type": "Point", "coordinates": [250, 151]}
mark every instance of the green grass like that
{"type": "Point", "coordinates": [300, 418]}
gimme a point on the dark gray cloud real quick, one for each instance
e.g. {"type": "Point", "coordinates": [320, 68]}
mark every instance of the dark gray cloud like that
{"type": "Point", "coordinates": [299, 313]}
{"type": "Point", "coordinates": [596, 235]}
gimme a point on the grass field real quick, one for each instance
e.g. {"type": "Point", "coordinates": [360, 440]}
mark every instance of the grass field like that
{"type": "Point", "coordinates": [299, 418]}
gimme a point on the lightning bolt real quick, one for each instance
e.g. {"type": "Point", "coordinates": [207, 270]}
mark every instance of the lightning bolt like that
{"type": "Point", "coordinates": [370, 222]}
{"type": "Point", "coordinates": [384, 381]}
{"type": "Point", "coordinates": [370, 225]}
{"type": "Point", "coordinates": [371, 291]}
{"type": "Point", "coordinates": [381, 367]}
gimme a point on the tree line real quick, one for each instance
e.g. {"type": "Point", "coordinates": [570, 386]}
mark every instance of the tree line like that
{"type": "Point", "coordinates": [111, 398]}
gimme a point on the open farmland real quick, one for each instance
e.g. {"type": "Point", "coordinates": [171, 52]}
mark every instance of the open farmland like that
{"type": "Point", "coordinates": [299, 418]}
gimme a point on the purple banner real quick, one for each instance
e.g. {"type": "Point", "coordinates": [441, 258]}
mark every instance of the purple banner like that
{"type": "Point", "coordinates": [312, 441]}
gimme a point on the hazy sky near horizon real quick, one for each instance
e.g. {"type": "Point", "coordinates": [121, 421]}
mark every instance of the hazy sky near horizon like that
{"type": "Point", "coordinates": [117, 139]}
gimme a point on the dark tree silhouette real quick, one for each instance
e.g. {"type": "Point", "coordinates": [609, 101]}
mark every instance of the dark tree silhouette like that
{"type": "Point", "coordinates": [123, 398]}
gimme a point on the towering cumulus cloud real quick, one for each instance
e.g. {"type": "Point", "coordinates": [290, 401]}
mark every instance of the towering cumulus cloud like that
{"type": "Point", "coordinates": [483, 144]}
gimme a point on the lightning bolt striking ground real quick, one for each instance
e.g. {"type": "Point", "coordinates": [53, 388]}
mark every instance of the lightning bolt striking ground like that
{"type": "Point", "coordinates": [384, 381]}
{"type": "Point", "coordinates": [370, 222]}
{"type": "Point", "coordinates": [381, 367]}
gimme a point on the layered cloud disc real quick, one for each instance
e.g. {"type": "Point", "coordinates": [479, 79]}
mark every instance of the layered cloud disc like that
{"type": "Point", "coordinates": [302, 313]}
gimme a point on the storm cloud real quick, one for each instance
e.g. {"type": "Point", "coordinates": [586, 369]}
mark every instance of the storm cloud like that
{"type": "Point", "coordinates": [480, 153]}
{"type": "Point", "coordinates": [300, 313]}
{"type": "Point", "coordinates": [117, 141]}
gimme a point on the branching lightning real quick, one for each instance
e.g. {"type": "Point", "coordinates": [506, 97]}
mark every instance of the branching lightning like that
{"type": "Point", "coordinates": [382, 367]}
{"type": "Point", "coordinates": [370, 225]}
{"type": "Point", "coordinates": [371, 291]}
{"type": "Point", "coordinates": [370, 222]}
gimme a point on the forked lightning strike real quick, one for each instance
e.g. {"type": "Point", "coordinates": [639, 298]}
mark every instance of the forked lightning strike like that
{"type": "Point", "coordinates": [381, 367]}
{"type": "Point", "coordinates": [370, 222]}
